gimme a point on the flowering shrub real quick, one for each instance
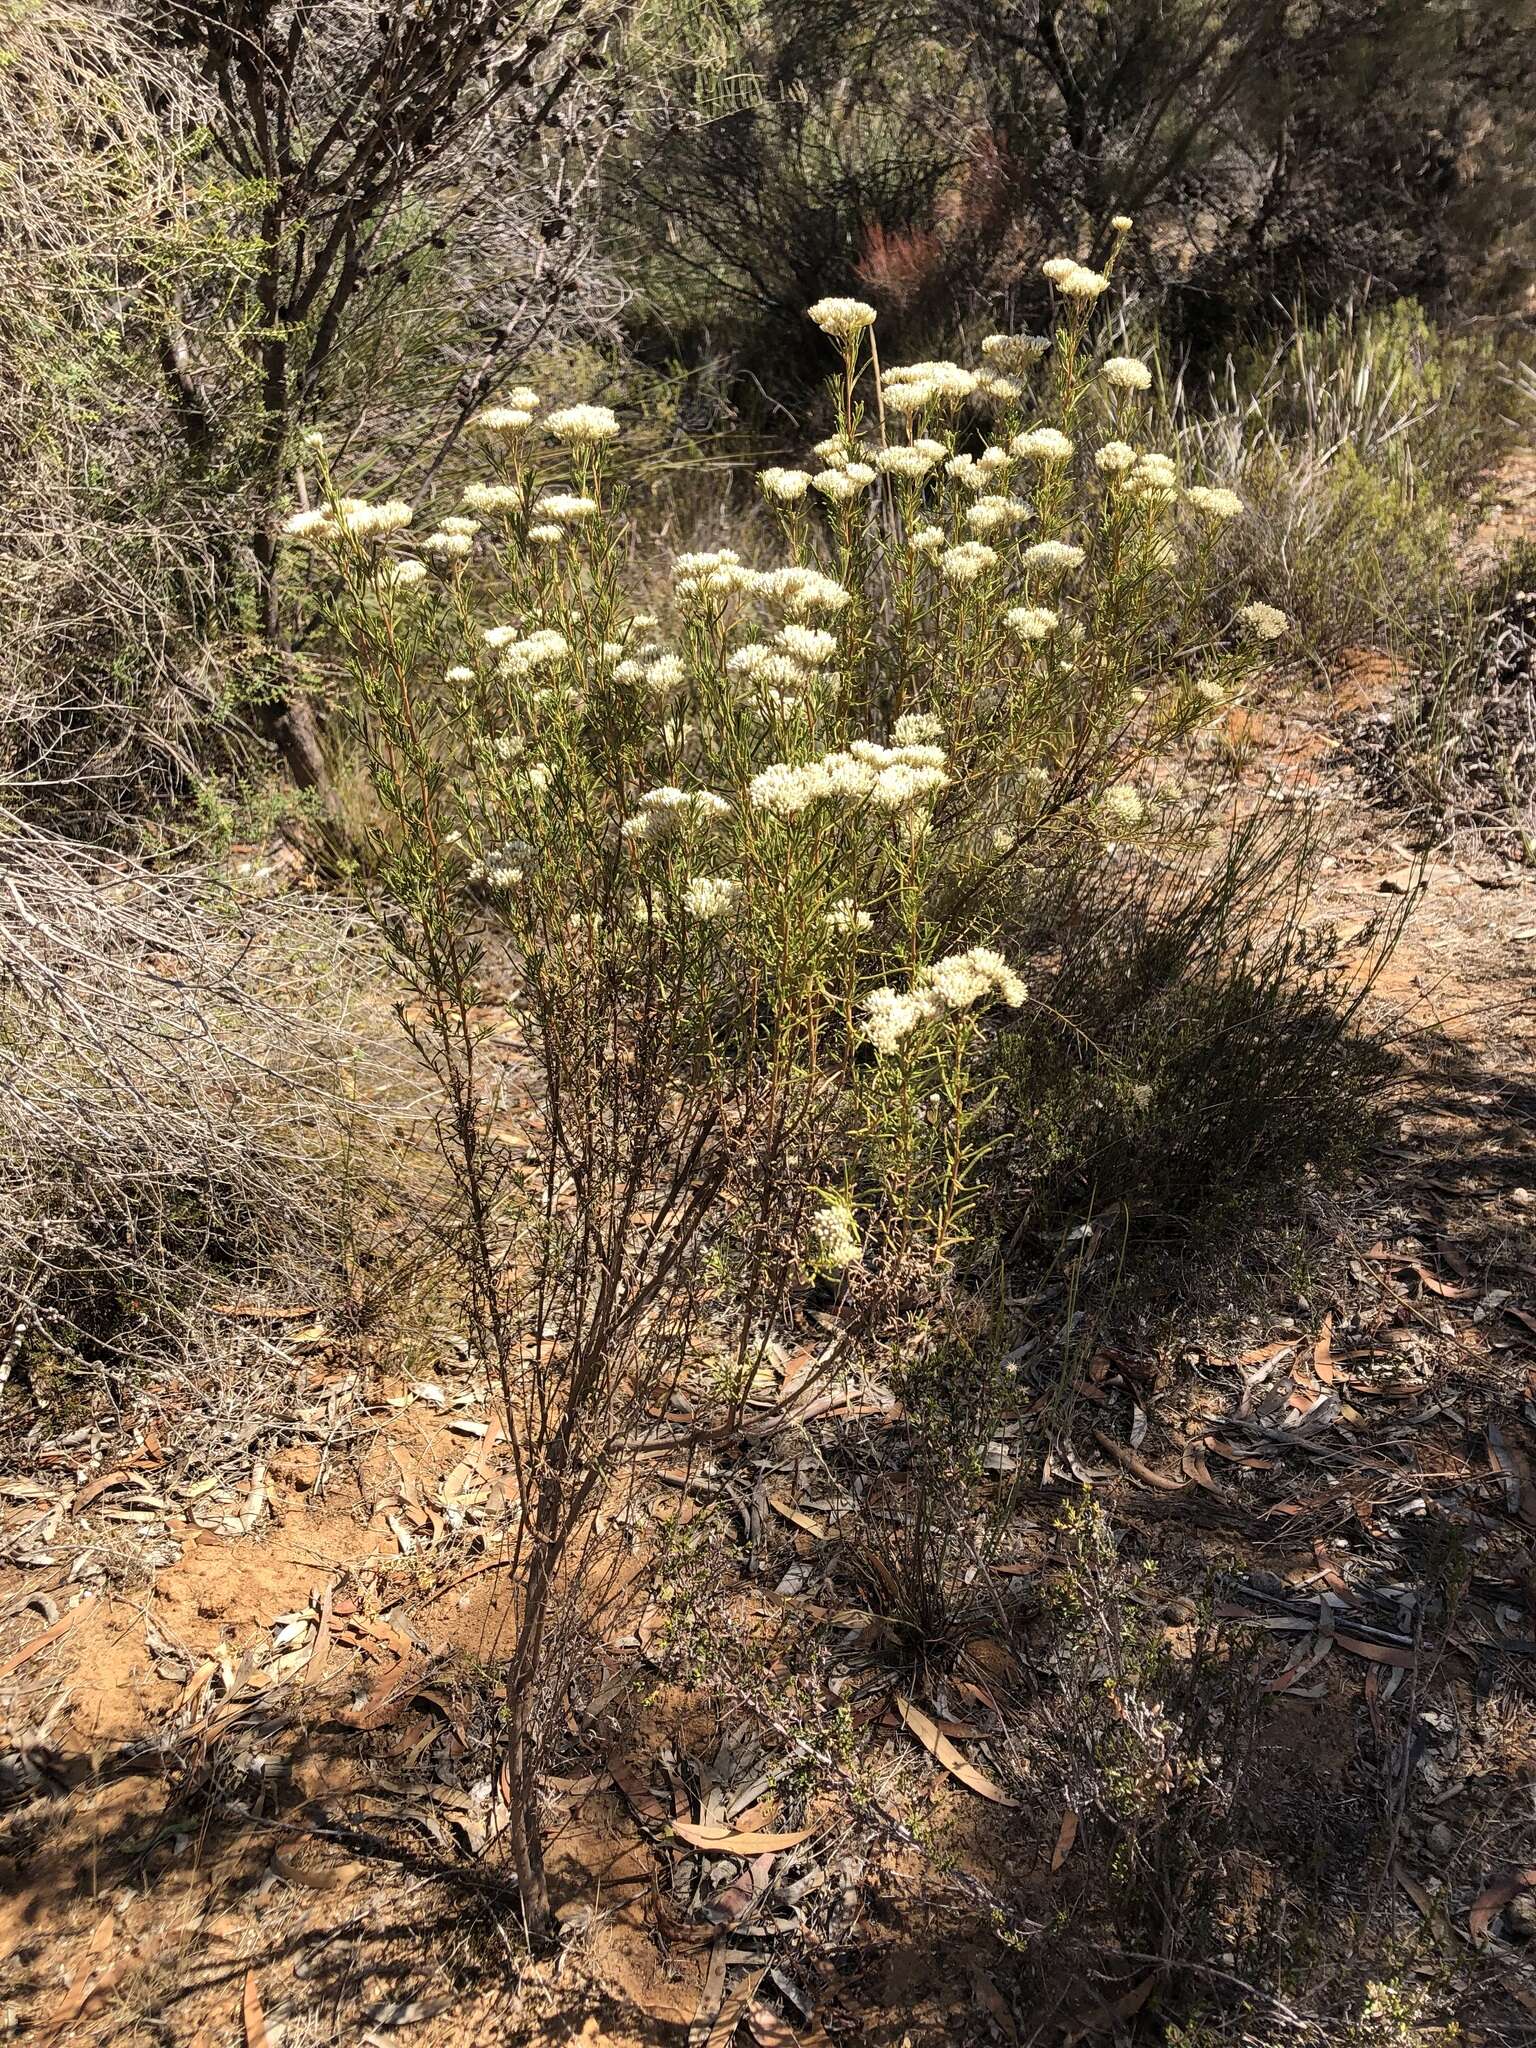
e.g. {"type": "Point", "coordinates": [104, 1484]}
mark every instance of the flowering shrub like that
{"type": "Point", "coordinates": [747, 864]}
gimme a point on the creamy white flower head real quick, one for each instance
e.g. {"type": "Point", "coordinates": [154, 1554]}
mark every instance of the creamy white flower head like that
{"type": "Point", "coordinates": [447, 547]}
{"type": "Point", "coordinates": [1053, 556]}
{"type": "Point", "coordinates": [1210, 693]}
{"type": "Point", "coordinates": [1014, 352]}
{"type": "Point", "coordinates": [1121, 223]}
{"type": "Point", "coordinates": [993, 461]}
{"type": "Point", "coordinates": [665, 810]}
{"type": "Point", "coordinates": [583, 426]}
{"type": "Point", "coordinates": [502, 422]}
{"type": "Point", "coordinates": [399, 577]}
{"type": "Point", "coordinates": [1082, 283]}
{"type": "Point", "coordinates": [769, 667]}
{"type": "Point", "coordinates": [1126, 373]}
{"type": "Point", "coordinates": [709, 896]}
{"type": "Point", "coordinates": [905, 783]}
{"type": "Point", "coordinates": [846, 916]}
{"type": "Point", "coordinates": [497, 637]}
{"type": "Point", "coordinates": [307, 525]}
{"type": "Point", "coordinates": [313, 439]}
{"type": "Point", "coordinates": [976, 976]}
{"type": "Point", "coordinates": [1154, 469]}
{"type": "Point", "coordinates": [918, 729]}
{"type": "Point", "coordinates": [1058, 267]}
{"type": "Point", "coordinates": [664, 673]}
{"type": "Point", "coordinates": [810, 644]}
{"type": "Point", "coordinates": [926, 540]}
{"type": "Point", "coordinates": [836, 485]}
{"type": "Point", "coordinates": [700, 564]}
{"type": "Point", "coordinates": [890, 1016]}
{"type": "Point", "coordinates": [492, 497]}
{"type": "Point", "coordinates": [1121, 808]}
{"type": "Point", "coordinates": [546, 534]}
{"type": "Point", "coordinates": [967, 560]}
{"type": "Point", "coordinates": [459, 674]}
{"type": "Point", "coordinates": [1032, 621]}
{"type": "Point", "coordinates": [363, 521]}
{"type": "Point", "coordinates": [785, 789]}
{"type": "Point", "coordinates": [912, 386]}
{"type": "Point", "coordinates": [913, 395]}
{"type": "Point", "coordinates": [960, 467]}
{"type": "Point", "coordinates": [806, 590]}
{"type": "Point", "coordinates": [521, 657]}
{"type": "Point", "coordinates": [841, 318]}
{"type": "Point", "coordinates": [996, 514]}
{"type": "Point", "coordinates": [784, 485]}
{"type": "Point", "coordinates": [455, 522]}
{"type": "Point", "coordinates": [565, 507]}
{"type": "Point", "coordinates": [1263, 621]}
{"type": "Point", "coordinates": [1115, 458]}
{"type": "Point", "coordinates": [1216, 503]}
{"type": "Point", "coordinates": [834, 1238]}
{"type": "Point", "coordinates": [1042, 444]}
{"type": "Point", "coordinates": [1001, 390]}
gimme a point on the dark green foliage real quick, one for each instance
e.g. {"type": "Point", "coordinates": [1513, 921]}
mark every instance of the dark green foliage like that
{"type": "Point", "coordinates": [1193, 1054]}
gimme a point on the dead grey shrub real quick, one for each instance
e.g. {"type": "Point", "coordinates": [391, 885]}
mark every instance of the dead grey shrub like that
{"type": "Point", "coordinates": [187, 1101]}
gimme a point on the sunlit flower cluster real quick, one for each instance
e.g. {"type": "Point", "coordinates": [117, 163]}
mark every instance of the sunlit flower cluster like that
{"type": "Point", "coordinates": [961, 981]}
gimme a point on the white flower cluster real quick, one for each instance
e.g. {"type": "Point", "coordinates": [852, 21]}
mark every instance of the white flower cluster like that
{"type": "Point", "coordinates": [1015, 352]}
{"type": "Point", "coordinates": [1215, 502]}
{"type": "Point", "coordinates": [354, 517]}
{"type": "Point", "coordinates": [845, 916]}
{"type": "Point", "coordinates": [842, 318]}
{"type": "Point", "coordinates": [1121, 808]}
{"type": "Point", "coordinates": [719, 573]}
{"type": "Point", "coordinates": [565, 507]}
{"type": "Point", "coordinates": [1127, 373]}
{"type": "Point", "coordinates": [398, 578]}
{"type": "Point", "coordinates": [1055, 557]}
{"type": "Point", "coordinates": [839, 486]}
{"type": "Point", "coordinates": [1263, 621]}
{"type": "Point", "coordinates": [493, 497]}
{"type": "Point", "coordinates": [967, 560]}
{"type": "Point", "coordinates": [505, 422]}
{"type": "Point", "coordinates": [520, 655]}
{"type": "Point", "coordinates": [910, 462]}
{"type": "Point", "coordinates": [1032, 621]}
{"type": "Point", "coordinates": [890, 778]}
{"type": "Point", "coordinates": [664, 811]}
{"type": "Point", "coordinates": [786, 486]}
{"type": "Point", "coordinates": [1042, 444]}
{"type": "Point", "coordinates": [1115, 458]}
{"type": "Point", "coordinates": [835, 1241]}
{"type": "Point", "coordinates": [959, 982]}
{"type": "Point", "coordinates": [914, 387]}
{"type": "Point", "coordinates": [1073, 279]}
{"type": "Point", "coordinates": [653, 668]}
{"type": "Point", "coordinates": [708, 896]}
{"type": "Point", "coordinates": [994, 514]}
{"type": "Point", "coordinates": [583, 426]}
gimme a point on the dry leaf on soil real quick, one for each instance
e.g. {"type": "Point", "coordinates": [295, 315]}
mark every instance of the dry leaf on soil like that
{"type": "Point", "coordinates": [943, 1751]}
{"type": "Point", "coordinates": [704, 1835]}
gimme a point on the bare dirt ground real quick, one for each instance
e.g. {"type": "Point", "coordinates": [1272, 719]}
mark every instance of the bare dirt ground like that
{"type": "Point", "coordinates": [248, 1781]}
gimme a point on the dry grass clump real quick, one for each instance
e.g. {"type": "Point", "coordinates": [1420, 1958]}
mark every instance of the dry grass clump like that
{"type": "Point", "coordinates": [185, 1081]}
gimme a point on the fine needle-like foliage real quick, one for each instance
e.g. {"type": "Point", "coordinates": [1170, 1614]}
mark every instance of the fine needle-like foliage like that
{"type": "Point", "coordinates": [733, 887]}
